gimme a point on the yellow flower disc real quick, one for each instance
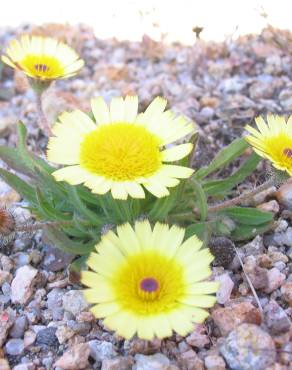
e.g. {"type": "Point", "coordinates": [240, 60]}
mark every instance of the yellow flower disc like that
{"type": "Point", "coordinates": [149, 282]}
{"type": "Point", "coordinates": [42, 58]}
{"type": "Point", "coordinates": [122, 150]}
{"type": "Point", "coordinates": [273, 141]}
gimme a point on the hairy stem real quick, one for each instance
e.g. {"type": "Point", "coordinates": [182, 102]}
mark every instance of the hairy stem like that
{"type": "Point", "coordinates": [40, 225]}
{"type": "Point", "coordinates": [241, 198]}
{"type": "Point", "coordinates": [43, 122]}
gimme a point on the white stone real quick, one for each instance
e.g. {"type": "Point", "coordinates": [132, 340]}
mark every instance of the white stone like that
{"type": "Point", "coordinates": [225, 288]}
{"type": "Point", "coordinates": [22, 284]}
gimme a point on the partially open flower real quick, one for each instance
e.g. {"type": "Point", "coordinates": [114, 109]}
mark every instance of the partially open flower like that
{"type": "Point", "coordinates": [149, 282]}
{"type": "Point", "coordinates": [123, 149]}
{"type": "Point", "coordinates": [7, 222]}
{"type": "Point", "coordinates": [273, 141]}
{"type": "Point", "coordinates": [42, 58]}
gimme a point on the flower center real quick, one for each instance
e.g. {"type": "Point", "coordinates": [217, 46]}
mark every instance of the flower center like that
{"type": "Point", "coordinates": [149, 285]}
{"type": "Point", "coordinates": [288, 152]}
{"type": "Point", "coordinates": [42, 66]}
{"type": "Point", "coordinates": [121, 152]}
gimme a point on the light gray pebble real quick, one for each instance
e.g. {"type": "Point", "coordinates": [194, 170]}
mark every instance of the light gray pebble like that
{"type": "Point", "coordinates": [101, 350]}
{"type": "Point", "coordinates": [18, 328]}
{"type": "Point", "coordinates": [14, 347]}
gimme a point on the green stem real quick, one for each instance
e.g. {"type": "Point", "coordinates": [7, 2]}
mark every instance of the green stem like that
{"type": "Point", "coordinates": [43, 122]}
{"type": "Point", "coordinates": [241, 198]}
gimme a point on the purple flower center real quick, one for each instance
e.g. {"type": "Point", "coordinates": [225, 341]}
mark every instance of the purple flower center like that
{"type": "Point", "coordinates": [149, 285]}
{"type": "Point", "coordinates": [288, 152]}
{"type": "Point", "coordinates": [41, 67]}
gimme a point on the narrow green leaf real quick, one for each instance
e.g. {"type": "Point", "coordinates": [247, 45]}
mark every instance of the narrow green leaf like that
{"type": "Point", "coordinates": [161, 207]}
{"type": "Point", "coordinates": [82, 208]}
{"type": "Point", "coordinates": [202, 230]}
{"type": "Point", "coordinates": [49, 209]}
{"type": "Point", "coordinates": [248, 216]}
{"type": "Point", "coordinates": [245, 232]}
{"type": "Point", "coordinates": [29, 158]}
{"type": "Point", "coordinates": [25, 190]}
{"type": "Point", "coordinates": [14, 160]}
{"type": "Point", "coordinates": [201, 199]}
{"type": "Point", "coordinates": [59, 239]}
{"type": "Point", "coordinates": [218, 187]}
{"type": "Point", "coordinates": [224, 157]}
{"type": "Point", "coordinates": [196, 229]}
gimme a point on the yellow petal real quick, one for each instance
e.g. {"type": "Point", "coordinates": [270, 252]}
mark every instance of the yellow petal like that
{"type": "Point", "coordinates": [156, 107]}
{"type": "Point", "coordinates": [123, 323]}
{"type": "Point", "coordinates": [162, 326]}
{"type": "Point", "coordinates": [180, 322]}
{"type": "Point", "coordinates": [118, 191]}
{"type": "Point", "coordinates": [188, 249]}
{"type": "Point", "coordinates": [117, 110]}
{"type": "Point", "coordinates": [199, 300]}
{"type": "Point", "coordinates": [179, 172]}
{"type": "Point", "coordinates": [146, 328]}
{"type": "Point", "coordinates": [206, 287]}
{"type": "Point", "coordinates": [176, 152]}
{"type": "Point", "coordinates": [100, 110]}
{"type": "Point", "coordinates": [199, 315]}
{"type": "Point", "coordinates": [105, 267]}
{"type": "Point", "coordinates": [131, 108]}
{"type": "Point", "coordinates": [105, 309]}
{"type": "Point", "coordinates": [135, 190]}
{"type": "Point", "coordinates": [128, 239]}
{"type": "Point", "coordinates": [156, 189]}
{"type": "Point", "coordinates": [103, 293]}
{"type": "Point", "coordinates": [143, 232]}
{"type": "Point", "coordinates": [74, 175]}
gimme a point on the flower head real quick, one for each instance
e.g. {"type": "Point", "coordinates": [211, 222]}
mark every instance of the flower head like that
{"type": "Point", "coordinates": [122, 150]}
{"type": "Point", "coordinates": [42, 58]}
{"type": "Point", "coordinates": [148, 281]}
{"type": "Point", "coordinates": [273, 141]}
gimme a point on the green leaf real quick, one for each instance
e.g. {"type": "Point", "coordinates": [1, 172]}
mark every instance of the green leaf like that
{"type": "Point", "coordinates": [201, 199]}
{"type": "Point", "coordinates": [218, 187]}
{"type": "Point", "coordinates": [224, 157]}
{"type": "Point", "coordinates": [203, 230]}
{"type": "Point", "coordinates": [61, 241]}
{"type": "Point", "coordinates": [161, 207]}
{"type": "Point", "coordinates": [25, 190]}
{"type": "Point", "coordinates": [82, 208]}
{"type": "Point", "coordinates": [198, 229]}
{"type": "Point", "coordinates": [46, 181]}
{"type": "Point", "coordinates": [48, 208]}
{"type": "Point", "coordinates": [79, 264]}
{"type": "Point", "coordinates": [14, 160]}
{"type": "Point", "coordinates": [245, 232]}
{"type": "Point", "coordinates": [248, 216]}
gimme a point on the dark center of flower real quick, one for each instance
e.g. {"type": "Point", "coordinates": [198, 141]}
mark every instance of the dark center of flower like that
{"type": "Point", "coordinates": [288, 152]}
{"type": "Point", "coordinates": [41, 67]}
{"type": "Point", "coordinates": [149, 285]}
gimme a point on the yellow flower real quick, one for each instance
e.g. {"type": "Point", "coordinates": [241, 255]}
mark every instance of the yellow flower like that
{"type": "Point", "coordinates": [148, 281]}
{"type": "Point", "coordinates": [273, 141]}
{"type": "Point", "coordinates": [42, 58]}
{"type": "Point", "coordinates": [122, 150]}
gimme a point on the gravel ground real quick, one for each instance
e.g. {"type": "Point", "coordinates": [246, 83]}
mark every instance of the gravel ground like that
{"type": "Point", "coordinates": [44, 321]}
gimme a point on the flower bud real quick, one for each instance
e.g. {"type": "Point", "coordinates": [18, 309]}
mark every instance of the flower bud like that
{"type": "Point", "coordinates": [7, 222]}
